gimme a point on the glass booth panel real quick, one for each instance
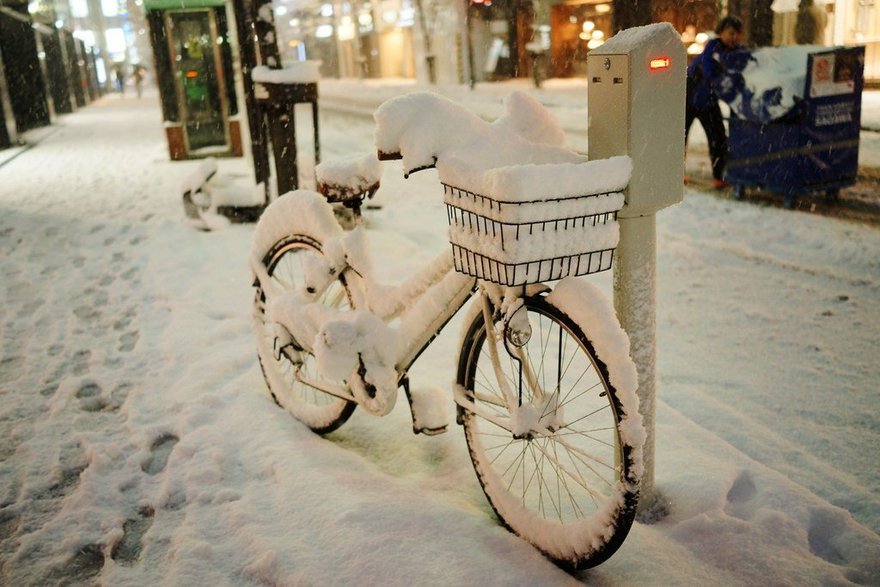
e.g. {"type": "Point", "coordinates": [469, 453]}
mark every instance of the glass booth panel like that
{"type": "Point", "coordinates": [197, 67]}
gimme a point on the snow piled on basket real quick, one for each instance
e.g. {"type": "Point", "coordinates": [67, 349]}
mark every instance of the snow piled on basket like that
{"type": "Point", "coordinates": [515, 194]}
{"type": "Point", "coordinates": [519, 156]}
{"type": "Point", "coordinates": [546, 244]}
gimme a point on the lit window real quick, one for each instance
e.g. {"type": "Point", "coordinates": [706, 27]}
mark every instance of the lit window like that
{"type": "Point", "coordinates": [87, 37]}
{"type": "Point", "coordinates": [110, 7]}
{"type": "Point", "coordinates": [115, 40]}
{"type": "Point", "coordinates": [79, 8]}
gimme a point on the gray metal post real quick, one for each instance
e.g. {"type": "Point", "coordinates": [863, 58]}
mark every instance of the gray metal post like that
{"type": "Point", "coordinates": [635, 287]}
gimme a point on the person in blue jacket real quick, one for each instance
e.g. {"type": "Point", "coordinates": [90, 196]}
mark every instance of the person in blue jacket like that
{"type": "Point", "coordinates": [703, 76]}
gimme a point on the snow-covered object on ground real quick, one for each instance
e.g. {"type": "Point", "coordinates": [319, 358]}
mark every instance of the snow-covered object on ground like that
{"type": "Point", "coordinates": [765, 84]}
{"type": "Point", "coordinates": [297, 72]}
{"type": "Point", "coordinates": [204, 191]}
{"type": "Point", "coordinates": [198, 205]}
{"type": "Point", "coordinates": [196, 180]}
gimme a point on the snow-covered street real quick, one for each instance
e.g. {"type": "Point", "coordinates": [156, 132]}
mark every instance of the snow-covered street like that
{"type": "Point", "coordinates": [139, 446]}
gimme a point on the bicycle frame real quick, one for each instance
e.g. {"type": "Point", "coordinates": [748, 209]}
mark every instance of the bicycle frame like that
{"type": "Point", "coordinates": [438, 292]}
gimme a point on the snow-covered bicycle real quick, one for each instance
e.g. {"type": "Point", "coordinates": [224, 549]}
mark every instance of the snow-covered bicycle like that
{"type": "Point", "coordinates": [545, 388]}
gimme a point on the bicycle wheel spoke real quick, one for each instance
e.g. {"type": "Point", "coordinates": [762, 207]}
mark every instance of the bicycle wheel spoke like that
{"type": "Point", "coordinates": [562, 482]}
{"type": "Point", "coordinates": [545, 341]}
{"type": "Point", "coordinates": [515, 462]}
{"type": "Point", "coordinates": [556, 503]}
{"type": "Point", "coordinates": [585, 416]}
{"type": "Point", "coordinates": [583, 393]}
{"type": "Point", "coordinates": [568, 474]}
{"type": "Point", "coordinates": [567, 445]}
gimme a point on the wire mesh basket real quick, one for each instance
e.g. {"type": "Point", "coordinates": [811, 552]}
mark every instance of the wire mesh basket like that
{"type": "Point", "coordinates": [522, 242]}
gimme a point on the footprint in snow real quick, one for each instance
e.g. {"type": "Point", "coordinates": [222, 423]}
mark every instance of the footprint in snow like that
{"type": "Point", "coordinates": [130, 274]}
{"type": "Point", "coordinates": [739, 496]}
{"type": "Point", "coordinates": [91, 398]}
{"type": "Point", "coordinates": [159, 452]}
{"type": "Point", "coordinates": [825, 526]}
{"type": "Point", "coordinates": [128, 550]}
{"type": "Point", "coordinates": [68, 482]}
{"type": "Point", "coordinates": [11, 368]}
{"type": "Point", "coordinates": [128, 341]}
{"type": "Point", "coordinates": [9, 524]}
{"type": "Point", "coordinates": [79, 365]}
{"type": "Point", "coordinates": [84, 565]}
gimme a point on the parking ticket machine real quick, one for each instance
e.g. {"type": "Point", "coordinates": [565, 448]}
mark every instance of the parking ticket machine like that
{"type": "Point", "coordinates": [636, 105]}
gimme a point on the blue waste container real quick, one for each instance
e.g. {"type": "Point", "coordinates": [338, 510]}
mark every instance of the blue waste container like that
{"type": "Point", "coordinates": [794, 131]}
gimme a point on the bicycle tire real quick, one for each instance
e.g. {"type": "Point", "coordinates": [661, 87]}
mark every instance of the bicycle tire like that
{"type": "Point", "coordinates": [572, 527]}
{"type": "Point", "coordinates": [321, 412]}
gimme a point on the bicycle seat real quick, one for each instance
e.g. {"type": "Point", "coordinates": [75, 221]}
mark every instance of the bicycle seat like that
{"type": "Point", "coordinates": [346, 195]}
{"type": "Point", "coordinates": [349, 181]}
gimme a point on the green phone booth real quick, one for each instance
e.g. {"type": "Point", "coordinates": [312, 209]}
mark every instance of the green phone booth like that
{"type": "Point", "coordinates": [194, 72]}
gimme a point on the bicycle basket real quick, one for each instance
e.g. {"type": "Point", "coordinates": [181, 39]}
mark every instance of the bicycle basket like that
{"type": "Point", "coordinates": [520, 242]}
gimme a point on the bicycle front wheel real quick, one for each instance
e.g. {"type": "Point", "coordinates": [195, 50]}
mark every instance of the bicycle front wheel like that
{"type": "Point", "coordinates": [568, 482]}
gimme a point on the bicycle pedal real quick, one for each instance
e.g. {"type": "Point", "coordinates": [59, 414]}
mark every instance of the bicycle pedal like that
{"type": "Point", "coordinates": [429, 431]}
{"type": "Point", "coordinates": [428, 405]}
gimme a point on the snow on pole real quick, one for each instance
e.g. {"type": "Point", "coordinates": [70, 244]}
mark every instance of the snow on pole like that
{"type": "Point", "coordinates": [636, 96]}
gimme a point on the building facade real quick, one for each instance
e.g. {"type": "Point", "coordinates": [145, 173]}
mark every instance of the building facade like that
{"type": "Point", "coordinates": [59, 55]}
{"type": "Point", "coordinates": [460, 41]}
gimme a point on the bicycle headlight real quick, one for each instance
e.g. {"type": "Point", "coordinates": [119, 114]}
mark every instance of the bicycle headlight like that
{"type": "Point", "coordinates": [518, 331]}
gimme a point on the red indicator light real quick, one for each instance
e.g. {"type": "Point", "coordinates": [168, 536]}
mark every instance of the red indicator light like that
{"type": "Point", "coordinates": [192, 74]}
{"type": "Point", "coordinates": [659, 63]}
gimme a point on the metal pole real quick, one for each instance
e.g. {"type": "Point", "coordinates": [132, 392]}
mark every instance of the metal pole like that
{"type": "Point", "coordinates": [248, 57]}
{"type": "Point", "coordinates": [472, 79]}
{"type": "Point", "coordinates": [635, 292]}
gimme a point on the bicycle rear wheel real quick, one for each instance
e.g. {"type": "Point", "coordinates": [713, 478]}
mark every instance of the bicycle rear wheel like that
{"type": "Point", "coordinates": [569, 485]}
{"type": "Point", "coordinates": [285, 262]}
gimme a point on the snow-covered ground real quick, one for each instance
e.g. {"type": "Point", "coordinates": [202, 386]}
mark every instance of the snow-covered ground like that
{"type": "Point", "coordinates": [138, 444]}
